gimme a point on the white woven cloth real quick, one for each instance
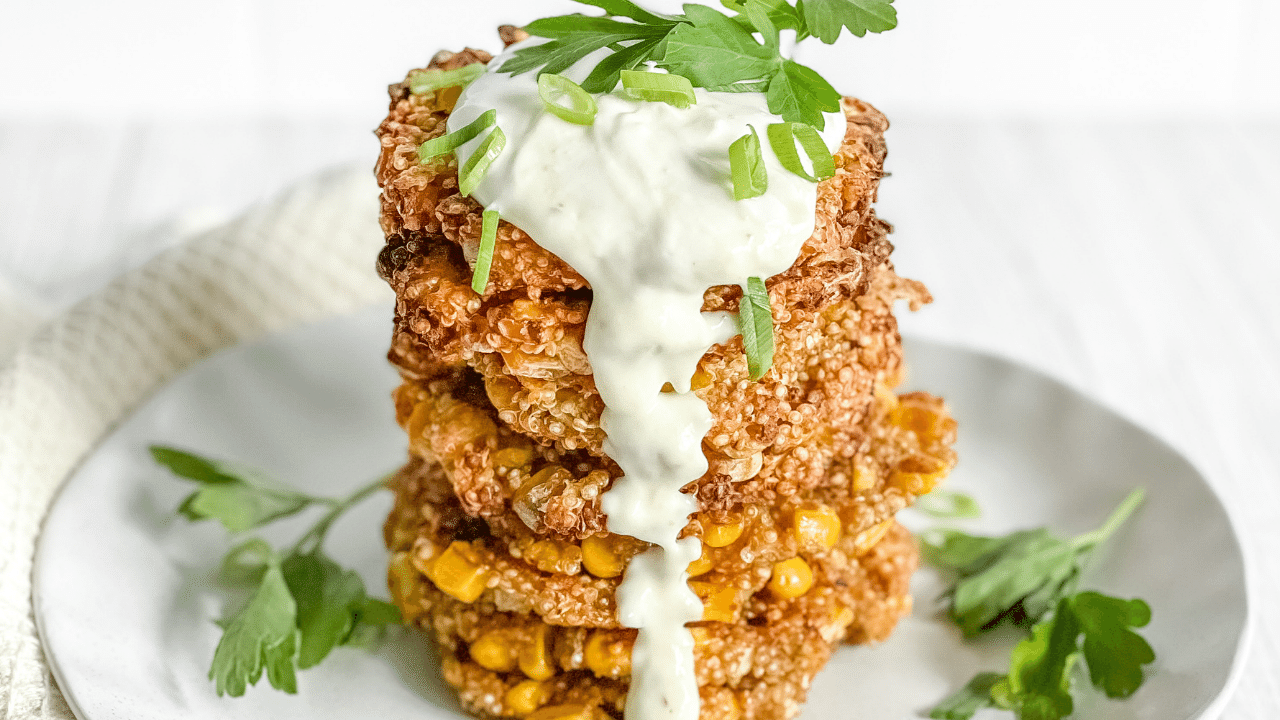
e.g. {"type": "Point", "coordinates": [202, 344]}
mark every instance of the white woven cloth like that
{"type": "Point", "coordinates": [303, 256]}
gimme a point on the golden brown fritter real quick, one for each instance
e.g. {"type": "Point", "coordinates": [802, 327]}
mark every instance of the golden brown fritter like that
{"type": "Point", "coordinates": [524, 335]}
{"type": "Point", "coordinates": [757, 668]}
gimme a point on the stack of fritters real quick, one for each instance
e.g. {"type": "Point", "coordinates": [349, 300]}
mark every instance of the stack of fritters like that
{"type": "Point", "coordinates": [499, 546]}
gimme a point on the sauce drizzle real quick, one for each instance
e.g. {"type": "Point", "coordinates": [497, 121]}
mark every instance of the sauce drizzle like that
{"type": "Point", "coordinates": [640, 204]}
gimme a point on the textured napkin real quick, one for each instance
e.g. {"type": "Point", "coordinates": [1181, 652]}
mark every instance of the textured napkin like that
{"type": "Point", "coordinates": [305, 255]}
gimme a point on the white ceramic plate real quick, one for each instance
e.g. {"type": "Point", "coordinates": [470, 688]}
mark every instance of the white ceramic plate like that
{"type": "Point", "coordinates": [126, 592]}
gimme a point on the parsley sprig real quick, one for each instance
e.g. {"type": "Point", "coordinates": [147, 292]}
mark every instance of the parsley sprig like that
{"type": "Point", "coordinates": [1017, 577]}
{"type": "Point", "coordinates": [303, 604]}
{"type": "Point", "coordinates": [1029, 577]}
{"type": "Point", "coordinates": [719, 52]}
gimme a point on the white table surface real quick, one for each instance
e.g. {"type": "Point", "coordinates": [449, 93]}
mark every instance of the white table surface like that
{"type": "Point", "coordinates": [1138, 262]}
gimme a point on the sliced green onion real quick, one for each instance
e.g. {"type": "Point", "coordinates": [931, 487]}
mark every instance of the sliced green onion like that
{"type": "Point", "coordinates": [669, 88]}
{"type": "Point", "coordinates": [477, 166]}
{"type": "Point", "coordinates": [581, 109]}
{"type": "Point", "coordinates": [755, 319]}
{"type": "Point", "coordinates": [421, 83]}
{"type": "Point", "coordinates": [746, 164]}
{"type": "Point", "coordinates": [783, 137]}
{"type": "Point", "coordinates": [456, 139]}
{"type": "Point", "coordinates": [488, 236]}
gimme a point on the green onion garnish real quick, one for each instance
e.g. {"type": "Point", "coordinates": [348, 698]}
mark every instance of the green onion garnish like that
{"type": "Point", "coordinates": [423, 82]}
{"type": "Point", "coordinates": [581, 107]}
{"type": "Point", "coordinates": [746, 164]}
{"type": "Point", "coordinates": [452, 141]}
{"type": "Point", "coordinates": [488, 236]}
{"type": "Point", "coordinates": [669, 88]}
{"type": "Point", "coordinates": [783, 137]}
{"type": "Point", "coordinates": [755, 319]}
{"type": "Point", "coordinates": [478, 164]}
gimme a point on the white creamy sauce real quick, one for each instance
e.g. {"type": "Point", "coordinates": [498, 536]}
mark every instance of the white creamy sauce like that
{"type": "Point", "coordinates": [640, 204]}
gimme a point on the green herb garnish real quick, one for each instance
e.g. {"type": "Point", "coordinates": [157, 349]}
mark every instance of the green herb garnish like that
{"type": "Point", "coordinates": [581, 108]}
{"type": "Point", "coordinates": [303, 604]}
{"type": "Point", "coordinates": [746, 165]}
{"type": "Point", "coordinates": [711, 49]}
{"type": "Point", "coordinates": [1087, 627]}
{"type": "Point", "coordinates": [755, 320]}
{"type": "Point", "coordinates": [948, 504]}
{"type": "Point", "coordinates": [783, 138]}
{"type": "Point", "coordinates": [1029, 577]}
{"type": "Point", "coordinates": [484, 257]}
{"type": "Point", "coordinates": [669, 88]}
{"type": "Point", "coordinates": [449, 142]}
{"type": "Point", "coordinates": [425, 81]}
{"type": "Point", "coordinates": [1019, 576]}
{"type": "Point", "coordinates": [477, 166]}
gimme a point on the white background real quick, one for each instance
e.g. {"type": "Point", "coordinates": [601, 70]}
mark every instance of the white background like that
{"type": "Point", "coordinates": [1092, 187]}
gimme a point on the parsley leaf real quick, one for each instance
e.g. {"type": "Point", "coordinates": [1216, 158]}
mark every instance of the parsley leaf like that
{"type": "Point", "coordinates": [963, 703]}
{"type": "Point", "coordinates": [714, 51]}
{"type": "Point", "coordinates": [304, 603]}
{"type": "Point", "coordinates": [572, 37]}
{"type": "Point", "coordinates": [1067, 627]}
{"type": "Point", "coordinates": [781, 14]}
{"type": "Point", "coordinates": [799, 94]}
{"type": "Point", "coordinates": [260, 637]}
{"type": "Point", "coordinates": [1114, 653]}
{"type": "Point", "coordinates": [328, 598]}
{"type": "Point", "coordinates": [370, 620]}
{"type": "Point", "coordinates": [949, 504]}
{"type": "Point", "coordinates": [1038, 686]}
{"type": "Point", "coordinates": [240, 506]}
{"type": "Point", "coordinates": [1019, 576]}
{"type": "Point", "coordinates": [239, 499]}
{"type": "Point", "coordinates": [826, 18]}
{"type": "Point", "coordinates": [245, 563]}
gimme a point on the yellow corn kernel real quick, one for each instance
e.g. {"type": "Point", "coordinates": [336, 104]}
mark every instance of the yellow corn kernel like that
{"type": "Point", "coordinates": [494, 651]}
{"type": "Point", "coordinates": [701, 636]}
{"type": "Point", "coordinates": [535, 659]}
{"type": "Point", "coordinates": [719, 602]}
{"type": "Point", "coordinates": [459, 572]}
{"type": "Point", "coordinates": [864, 477]}
{"type": "Point", "coordinates": [601, 558]}
{"type": "Point", "coordinates": [608, 655]}
{"type": "Point", "coordinates": [885, 396]}
{"type": "Point", "coordinates": [791, 578]}
{"type": "Point", "coordinates": [418, 420]}
{"type": "Point", "coordinates": [820, 526]}
{"type": "Point", "coordinates": [840, 618]}
{"type": "Point", "coordinates": [719, 535]}
{"type": "Point", "coordinates": [513, 457]}
{"type": "Point", "coordinates": [918, 474]}
{"type": "Point", "coordinates": [699, 380]}
{"type": "Point", "coordinates": [868, 538]}
{"type": "Point", "coordinates": [527, 696]}
{"type": "Point", "coordinates": [562, 712]}
{"type": "Point", "coordinates": [702, 565]}
{"type": "Point", "coordinates": [732, 710]}
{"type": "Point", "coordinates": [554, 556]}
